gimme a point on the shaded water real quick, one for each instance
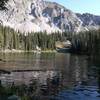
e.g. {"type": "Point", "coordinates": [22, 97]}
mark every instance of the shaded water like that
{"type": "Point", "coordinates": [53, 75]}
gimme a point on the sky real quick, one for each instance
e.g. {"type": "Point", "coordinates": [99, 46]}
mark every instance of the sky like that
{"type": "Point", "coordinates": [81, 6]}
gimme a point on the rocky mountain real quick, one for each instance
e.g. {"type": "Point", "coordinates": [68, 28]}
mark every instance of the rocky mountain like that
{"type": "Point", "coordinates": [38, 15]}
{"type": "Point", "coordinates": [89, 21]}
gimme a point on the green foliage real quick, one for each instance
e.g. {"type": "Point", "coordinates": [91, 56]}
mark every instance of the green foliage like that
{"type": "Point", "coordinates": [87, 42]}
{"type": "Point", "coordinates": [2, 4]}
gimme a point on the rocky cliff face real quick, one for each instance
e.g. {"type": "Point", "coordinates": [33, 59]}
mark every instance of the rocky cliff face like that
{"type": "Point", "coordinates": [26, 16]}
{"type": "Point", "coordinates": [89, 21]}
{"type": "Point", "coordinates": [63, 18]}
{"type": "Point", "coordinates": [38, 15]}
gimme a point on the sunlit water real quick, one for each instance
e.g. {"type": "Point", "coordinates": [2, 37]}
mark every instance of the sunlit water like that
{"type": "Point", "coordinates": [58, 76]}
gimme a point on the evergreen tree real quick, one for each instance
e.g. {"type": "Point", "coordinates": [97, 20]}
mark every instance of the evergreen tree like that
{"type": "Point", "coordinates": [2, 4]}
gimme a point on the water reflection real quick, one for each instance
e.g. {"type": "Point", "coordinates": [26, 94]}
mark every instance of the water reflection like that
{"type": "Point", "coordinates": [38, 65]}
{"type": "Point", "coordinates": [25, 77]}
{"type": "Point", "coordinates": [49, 74]}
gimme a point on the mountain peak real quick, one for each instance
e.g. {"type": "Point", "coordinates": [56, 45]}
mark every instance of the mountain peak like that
{"type": "Point", "coordinates": [38, 15]}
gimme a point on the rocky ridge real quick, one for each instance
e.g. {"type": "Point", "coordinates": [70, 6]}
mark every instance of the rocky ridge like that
{"type": "Point", "coordinates": [38, 15]}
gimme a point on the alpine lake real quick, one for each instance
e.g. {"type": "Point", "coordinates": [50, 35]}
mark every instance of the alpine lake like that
{"type": "Point", "coordinates": [49, 76]}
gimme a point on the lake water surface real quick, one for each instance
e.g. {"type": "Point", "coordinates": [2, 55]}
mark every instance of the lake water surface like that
{"type": "Point", "coordinates": [57, 76]}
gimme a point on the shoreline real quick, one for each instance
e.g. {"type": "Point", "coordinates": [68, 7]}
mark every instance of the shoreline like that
{"type": "Point", "coordinates": [23, 51]}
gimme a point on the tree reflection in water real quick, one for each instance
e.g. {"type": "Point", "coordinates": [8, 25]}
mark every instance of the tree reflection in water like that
{"type": "Point", "coordinates": [62, 76]}
{"type": "Point", "coordinates": [34, 90]}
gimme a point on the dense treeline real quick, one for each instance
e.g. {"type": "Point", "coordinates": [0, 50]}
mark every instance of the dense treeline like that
{"type": "Point", "coordinates": [88, 42]}
{"type": "Point", "coordinates": [9, 39]}
{"type": "Point", "coordinates": [81, 42]}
